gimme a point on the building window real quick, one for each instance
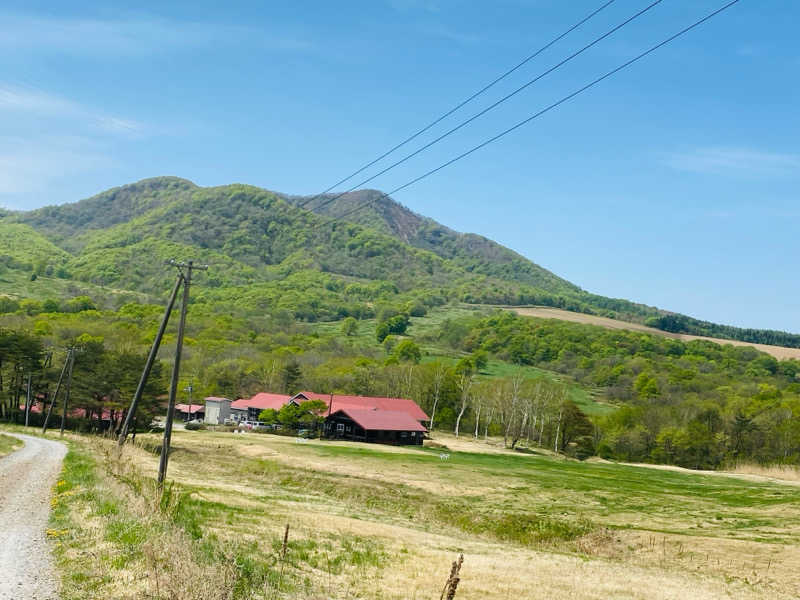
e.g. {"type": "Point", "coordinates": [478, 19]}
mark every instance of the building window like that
{"type": "Point", "coordinates": [340, 427]}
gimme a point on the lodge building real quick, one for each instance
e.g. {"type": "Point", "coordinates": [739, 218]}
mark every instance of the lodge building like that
{"type": "Point", "coordinates": [382, 420]}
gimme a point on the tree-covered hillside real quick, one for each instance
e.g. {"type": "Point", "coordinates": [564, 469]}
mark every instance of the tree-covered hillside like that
{"type": "Point", "coordinates": [696, 404]}
{"type": "Point", "coordinates": [69, 225]}
{"type": "Point", "coordinates": [474, 253]}
{"type": "Point", "coordinates": [255, 241]}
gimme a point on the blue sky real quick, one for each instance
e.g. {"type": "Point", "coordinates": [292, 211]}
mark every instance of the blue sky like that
{"type": "Point", "coordinates": [675, 183]}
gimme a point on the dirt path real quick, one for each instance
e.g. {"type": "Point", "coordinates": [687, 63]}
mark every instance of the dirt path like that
{"type": "Point", "coordinates": [26, 479]}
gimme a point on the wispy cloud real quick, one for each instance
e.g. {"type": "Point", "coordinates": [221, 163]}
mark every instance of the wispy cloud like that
{"type": "Point", "coordinates": [449, 34]}
{"type": "Point", "coordinates": [429, 6]}
{"type": "Point", "coordinates": [753, 213]}
{"type": "Point", "coordinates": [18, 100]}
{"type": "Point", "coordinates": [48, 138]}
{"type": "Point", "coordinates": [31, 166]}
{"type": "Point", "coordinates": [735, 161]}
{"type": "Point", "coordinates": [133, 36]}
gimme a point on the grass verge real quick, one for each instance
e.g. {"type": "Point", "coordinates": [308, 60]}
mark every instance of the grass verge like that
{"type": "Point", "coordinates": [117, 536]}
{"type": "Point", "coordinates": [9, 444]}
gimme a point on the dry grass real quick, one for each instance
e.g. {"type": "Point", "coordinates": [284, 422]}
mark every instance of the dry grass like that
{"type": "Point", "coordinates": [780, 474]}
{"type": "Point", "coordinates": [114, 537]}
{"type": "Point", "coordinates": [366, 522]}
{"type": "Point", "coordinates": [783, 473]}
{"type": "Point", "coordinates": [779, 352]}
{"type": "Point", "coordinates": [419, 543]}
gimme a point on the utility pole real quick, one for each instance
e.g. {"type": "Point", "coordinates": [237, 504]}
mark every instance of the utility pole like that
{"type": "Point", "coordinates": [66, 392]}
{"type": "Point", "coordinates": [43, 385]}
{"type": "Point", "coordinates": [55, 394]}
{"type": "Point", "coordinates": [149, 364]}
{"type": "Point", "coordinates": [186, 270]}
{"type": "Point", "coordinates": [190, 388]}
{"type": "Point", "coordinates": [28, 401]}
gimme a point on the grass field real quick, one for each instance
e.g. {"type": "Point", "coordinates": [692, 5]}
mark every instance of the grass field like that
{"type": "Point", "coordinates": [418, 327]}
{"type": "Point", "coordinates": [369, 521]}
{"type": "Point", "coordinates": [8, 444]}
{"type": "Point", "coordinates": [779, 352]}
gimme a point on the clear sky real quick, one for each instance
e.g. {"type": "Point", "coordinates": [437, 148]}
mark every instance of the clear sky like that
{"type": "Point", "coordinates": [675, 183]}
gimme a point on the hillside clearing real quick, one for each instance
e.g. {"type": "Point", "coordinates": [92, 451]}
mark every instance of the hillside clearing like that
{"type": "Point", "coordinates": [588, 399]}
{"type": "Point", "coordinates": [369, 521]}
{"type": "Point", "coordinates": [779, 352]}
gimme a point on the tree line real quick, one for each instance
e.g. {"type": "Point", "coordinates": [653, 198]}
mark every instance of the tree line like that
{"type": "Point", "coordinates": [695, 404]}
{"type": "Point", "coordinates": [102, 384]}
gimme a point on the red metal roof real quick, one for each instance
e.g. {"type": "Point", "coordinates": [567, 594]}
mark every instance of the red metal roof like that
{"type": "Point", "coordinates": [262, 401]}
{"type": "Point", "coordinates": [75, 413]}
{"type": "Point", "coordinates": [404, 405]}
{"type": "Point", "coordinates": [191, 409]}
{"type": "Point", "coordinates": [374, 419]}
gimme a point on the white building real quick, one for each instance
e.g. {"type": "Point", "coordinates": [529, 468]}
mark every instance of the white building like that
{"type": "Point", "coordinates": [217, 410]}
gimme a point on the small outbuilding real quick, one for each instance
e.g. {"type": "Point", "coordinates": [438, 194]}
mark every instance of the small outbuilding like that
{"type": "Point", "coordinates": [217, 410]}
{"type": "Point", "coordinates": [190, 412]}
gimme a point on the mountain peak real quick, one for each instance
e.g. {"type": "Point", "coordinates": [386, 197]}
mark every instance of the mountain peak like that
{"type": "Point", "coordinates": [470, 251]}
{"type": "Point", "coordinates": [67, 223]}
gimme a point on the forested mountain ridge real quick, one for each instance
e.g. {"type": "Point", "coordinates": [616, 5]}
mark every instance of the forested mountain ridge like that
{"type": "Point", "coordinates": [254, 242]}
{"type": "Point", "coordinates": [67, 225]}
{"type": "Point", "coordinates": [73, 226]}
{"type": "Point", "coordinates": [267, 250]}
{"type": "Point", "coordinates": [473, 252]}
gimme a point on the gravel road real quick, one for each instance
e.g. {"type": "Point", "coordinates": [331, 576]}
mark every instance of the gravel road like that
{"type": "Point", "coordinates": [26, 479]}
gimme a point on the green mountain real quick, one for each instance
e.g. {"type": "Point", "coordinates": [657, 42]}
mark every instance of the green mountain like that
{"type": "Point", "coordinates": [267, 253]}
{"type": "Point", "coordinates": [254, 240]}
{"type": "Point", "coordinates": [473, 252]}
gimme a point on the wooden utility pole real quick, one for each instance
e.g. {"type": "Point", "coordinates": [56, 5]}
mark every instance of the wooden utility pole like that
{"type": "Point", "coordinates": [151, 358]}
{"type": "Point", "coordinates": [28, 402]}
{"type": "Point", "coordinates": [190, 388]}
{"type": "Point", "coordinates": [66, 392]}
{"type": "Point", "coordinates": [186, 271]}
{"type": "Point", "coordinates": [55, 394]}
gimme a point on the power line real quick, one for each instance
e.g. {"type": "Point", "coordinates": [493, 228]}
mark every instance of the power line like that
{"type": "Point", "coordinates": [494, 105]}
{"type": "Point", "coordinates": [463, 102]}
{"type": "Point", "coordinates": [538, 114]}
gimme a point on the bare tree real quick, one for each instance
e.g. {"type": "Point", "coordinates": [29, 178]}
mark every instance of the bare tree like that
{"type": "Point", "coordinates": [489, 393]}
{"type": "Point", "coordinates": [438, 381]}
{"type": "Point", "coordinates": [519, 410]}
{"type": "Point", "coordinates": [558, 428]}
{"type": "Point", "coordinates": [408, 381]}
{"type": "Point", "coordinates": [266, 375]}
{"type": "Point", "coordinates": [478, 407]}
{"type": "Point", "coordinates": [488, 421]}
{"type": "Point", "coordinates": [464, 385]}
{"type": "Point", "coordinates": [482, 399]}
